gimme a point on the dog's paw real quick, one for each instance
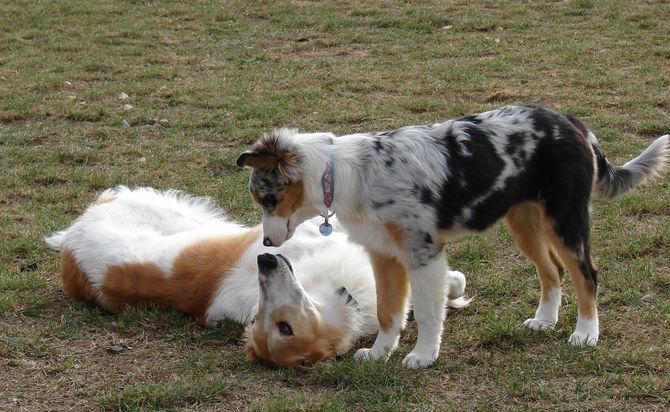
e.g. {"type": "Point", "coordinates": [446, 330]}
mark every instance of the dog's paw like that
{"type": "Point", "coordinates": [415, 360]}
{"type": "Point", "coordinates": [369, 354]}
{"type": "Point", "coordinates": [582, 339]}
{"type": "Point", "coordinates": [539, 325]}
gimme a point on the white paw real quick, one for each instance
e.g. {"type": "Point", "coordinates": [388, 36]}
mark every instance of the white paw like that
{"type": "Point", "coordinates": [539, 324]}
{"type": "Point", "coordinates": [415, 360]}
{"type": "Point", "coordinates": [369, 354]}
{"type": "Point", "coordinates": [581, 339]}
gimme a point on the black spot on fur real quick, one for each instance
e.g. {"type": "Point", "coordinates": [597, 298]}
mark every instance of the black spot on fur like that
{"type": "Point", "coordinates": [426, 195]}
{"type": "Point", "coordinates": [350, 299]}
{"type": "Point", "coordinates": [558, 175]}
{"type": "Point", "coordinates": [544, 120]}
{"type": "Point", "coordinates": [476, 174]}
{"type": "Point", "coordinates": [564, 186]}
{"type": "Point", "coordinates": [471, 119]}
{"type": "Point", "coordinates": [515, 143]}
{"type": "Point", "coordinates": [589, 272]}
{"type": "Point", "coordinates": [269, 201]}
{"type": "Point", "coordinates": [578, 124]}
{"type": "Point", "coordinates": [379, 147]}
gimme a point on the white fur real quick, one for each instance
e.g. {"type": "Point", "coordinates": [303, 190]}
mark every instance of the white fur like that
{"type": "Point", "coordinates": [385, 343]}
{"type": "Point", "coordinates": [429, 295]}
{"type": "Point", "coordinates": [546, 315]}
{"type": "Point", "coordinates": [144, 225]}
{"type": "Point", "coordinates": [586, 332]}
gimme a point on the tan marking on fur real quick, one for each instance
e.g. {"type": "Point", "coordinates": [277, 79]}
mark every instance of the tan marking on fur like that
{"type": "Point", "coordinates": [256, 346]}
{"type": "Point", "coordinates": [586, 297]}
{"type": "Point", "coordinates": [312, 340]}
{"type": "Point", "coordinates": [396, 233]}
{"type": "Point", "coordinates": [290, 199]}
{"type": "Point", "coordinates": [392, 286]}
{"type": "Point", "coordinates": [536, 238]}
{"type": "Point", "coordinates": [533, 234]}
{"type": "Point", "coordinates": [102, 200]}
{"type": "Point", "coordinates": [132, 284]}
{"type": "Point", "coordinates": [75, 281]}
{"type": "Point", "coordinates": [196, 275]}
{"type": "Point", "coordinates": [557, 262]}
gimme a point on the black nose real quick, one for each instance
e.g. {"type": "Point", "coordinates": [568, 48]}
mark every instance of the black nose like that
{"type": "Point", "coordinates": [267, 242]}
{"type": "Point", "coordinates": [267, 262]}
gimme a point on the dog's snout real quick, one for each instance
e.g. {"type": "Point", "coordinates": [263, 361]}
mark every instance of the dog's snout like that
{"type": "Point", "coordinates": [267, 241]}
{"type": "Point", "coordinates": [267, 262]}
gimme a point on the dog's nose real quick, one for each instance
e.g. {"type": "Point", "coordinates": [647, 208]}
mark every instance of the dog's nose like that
{"type": "Point", "coordinates": [267, 262]}
{"type": "Point", "coordinates": [267, 242]}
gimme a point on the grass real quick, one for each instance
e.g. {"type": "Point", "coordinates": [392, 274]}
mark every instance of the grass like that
{"type": "Point", "coordinates": [205, 78]}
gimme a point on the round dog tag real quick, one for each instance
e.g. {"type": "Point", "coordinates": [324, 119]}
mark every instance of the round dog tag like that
{"type": "Point", "coordinates": [325, 229]}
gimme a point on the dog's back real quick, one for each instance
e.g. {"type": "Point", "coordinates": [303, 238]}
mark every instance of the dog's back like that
{"type": "Point", "coordinates": [142, 246]}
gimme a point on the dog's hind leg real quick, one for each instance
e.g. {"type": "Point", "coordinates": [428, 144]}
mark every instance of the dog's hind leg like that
{"type": "Point", "coordinates": [570, 238]}
{"type": "Point", "coordinates": [533, 235]}
{"type": "Point", "coordinates": [584, 277]}
{"type": "Point", "coordinates": [429, 284]}
{"type": "Point", "coordinates": [392, 292]}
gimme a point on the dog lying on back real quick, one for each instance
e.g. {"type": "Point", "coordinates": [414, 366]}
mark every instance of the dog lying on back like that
{"type": "Point", "coordinates": [403, 193]}
{"type": "Point", "coordinates": [146, 247]}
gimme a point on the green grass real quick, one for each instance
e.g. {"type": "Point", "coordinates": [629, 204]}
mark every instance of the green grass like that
{"type": "Point", "coordinates": [205, 78]}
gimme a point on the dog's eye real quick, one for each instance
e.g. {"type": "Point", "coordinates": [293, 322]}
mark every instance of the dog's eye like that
{"type": "Point", "coordinates": [285, 329]}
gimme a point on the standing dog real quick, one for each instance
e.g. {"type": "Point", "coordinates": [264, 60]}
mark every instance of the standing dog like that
{"type": "Point", "coordinates": [146, 247]}
{"type": "Point", "coordinates": [403, 193]}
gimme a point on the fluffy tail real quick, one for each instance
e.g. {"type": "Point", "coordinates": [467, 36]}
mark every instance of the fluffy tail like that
{"type": "Point", "coordinates": [456, 282]}
{"type": "Point", "coordinates": [55, 241]}
{"type": "Point", "coordinates": [614, 181]}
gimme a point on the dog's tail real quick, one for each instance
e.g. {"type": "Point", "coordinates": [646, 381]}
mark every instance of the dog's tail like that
{"type": "Point", "coordinates": [55, 241]}
{"type": "Point", "coordinates": [456, 282]}
{"type": "Point", "coordinates": [614, 181]}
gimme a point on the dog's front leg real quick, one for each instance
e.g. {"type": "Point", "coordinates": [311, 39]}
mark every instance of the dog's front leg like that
{"type": "Point", "coordinates": [428, 301]}
{"type": "Point", "coordinates": [392, 290]}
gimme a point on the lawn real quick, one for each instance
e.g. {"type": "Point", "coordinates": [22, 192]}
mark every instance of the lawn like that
{"type": "Point", "coordinates": [167, 94]}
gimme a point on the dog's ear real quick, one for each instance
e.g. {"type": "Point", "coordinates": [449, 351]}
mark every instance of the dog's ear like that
{"type": "Point", "coordinates": [249, 353]}
{"type": "Point", "coordinates": [257, 160]}
{"type": "Point", "coordinates": [275, 152]}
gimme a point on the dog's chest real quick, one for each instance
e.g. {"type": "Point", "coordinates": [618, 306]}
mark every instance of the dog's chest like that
{"type": "Point", "coordinates": [371, 235]}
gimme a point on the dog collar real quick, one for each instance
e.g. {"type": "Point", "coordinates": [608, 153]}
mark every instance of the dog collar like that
{"type": "Point", "coordinates": [328, 187]}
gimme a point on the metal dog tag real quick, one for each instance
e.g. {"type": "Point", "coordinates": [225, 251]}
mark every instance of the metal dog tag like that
{"type": "Point", "coordinates": [325, 229]}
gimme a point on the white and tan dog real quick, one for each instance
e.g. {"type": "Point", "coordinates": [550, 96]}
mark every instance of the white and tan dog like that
{"type": "Point", "coordinates": [403, 193]}
{"type": "Point", "coordinates": [146, 247]}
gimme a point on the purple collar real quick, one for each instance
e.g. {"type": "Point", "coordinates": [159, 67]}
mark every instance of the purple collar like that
{"type": "Point", "coordinates": [328, 187]}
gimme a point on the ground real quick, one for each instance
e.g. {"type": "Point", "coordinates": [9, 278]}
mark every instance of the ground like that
{"type": "Point", "coordinates": [167, 94]}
